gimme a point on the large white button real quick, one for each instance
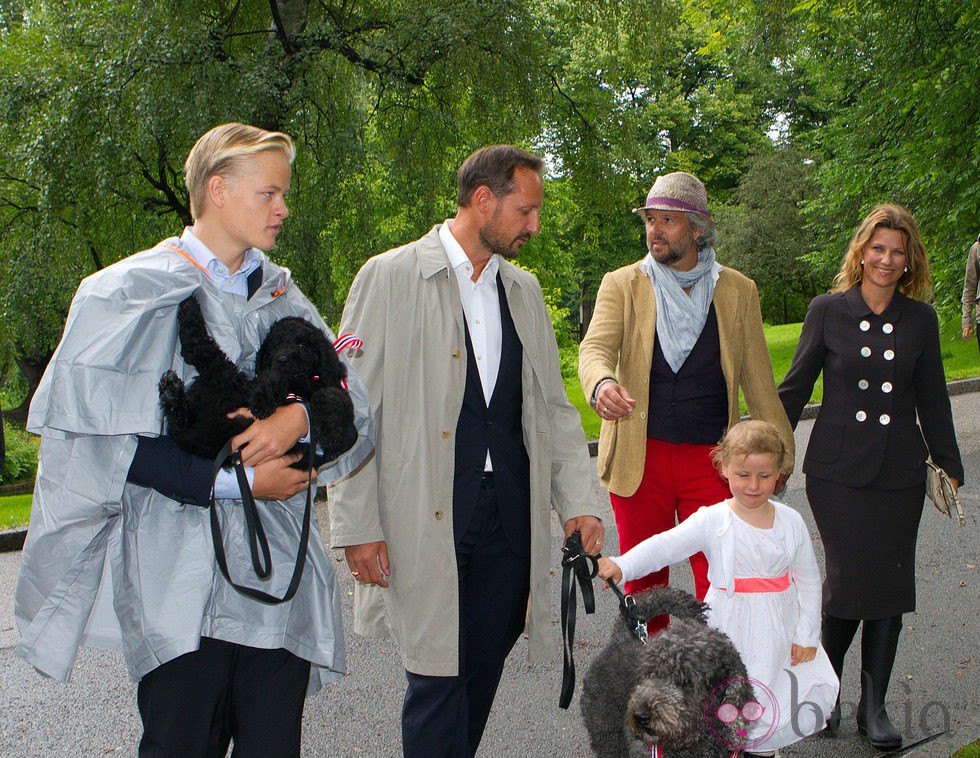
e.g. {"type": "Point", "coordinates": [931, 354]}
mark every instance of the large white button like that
{"type": "Point", "coordinates": [889, 355]}
{"type": "Point", "coordinates": [860, 415]}
{"type": "Point", "coordinates": [884, 419]}
{"type": "Point", "coordinates": [886, 387]}
{"type": "Point", "coordinates": [887, 328]}
{"type": "Point", "coordinates": [866, 351]}
{"type": "Point", "coordinates": [863, 384]}
{"type": "Point", "coordinates": [865, 326]}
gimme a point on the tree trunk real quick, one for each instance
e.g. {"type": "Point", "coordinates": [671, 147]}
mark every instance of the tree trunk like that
{"type": "Point", "coordinates": [32, 367]}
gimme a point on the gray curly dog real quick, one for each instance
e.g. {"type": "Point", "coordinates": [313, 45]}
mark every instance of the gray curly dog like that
{"type": "Point", "coordinates": [668, 691]}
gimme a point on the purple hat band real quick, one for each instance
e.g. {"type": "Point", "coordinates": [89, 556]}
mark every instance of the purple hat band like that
{"type": "Point", "coordinates": [671, 204]}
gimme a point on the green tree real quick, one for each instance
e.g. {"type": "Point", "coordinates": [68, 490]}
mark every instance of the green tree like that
{"type": "Point", "coordinates": [897, 80]}
{"type": "Point", "coordinates": [819, 107]}
{"type": "Point", "coordinates": [640, 89]}
{"type": "Point", "coordinates": [764, 235]}
{"type": "Point", "coordinates": [96, 117]}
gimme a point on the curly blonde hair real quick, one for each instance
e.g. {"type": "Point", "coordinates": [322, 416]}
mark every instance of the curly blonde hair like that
{"type": "Point", "coordinates": [751, 438]}
{"type": "Point", "coordinates": [916, 282]}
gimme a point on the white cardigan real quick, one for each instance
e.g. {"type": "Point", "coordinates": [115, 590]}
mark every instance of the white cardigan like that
{"type": "Point", "coordinates": [709, 529]}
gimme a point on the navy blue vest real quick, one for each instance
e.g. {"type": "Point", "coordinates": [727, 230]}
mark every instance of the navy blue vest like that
{"type": "Point", "coordinates": [692, 405]}
{"type": "Point", "coordinates": [495, 427]}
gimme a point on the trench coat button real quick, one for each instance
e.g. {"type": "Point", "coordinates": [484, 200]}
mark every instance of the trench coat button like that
{"type": "Point", "coordinates": [887, 328]}
{"type": "Point", "coordinates": [456, 353]}
{"type": "Point", "coordinates": [886, 387]}
{"type": "Point", "coordinates": [889, 355]}
{"type": "Point", "coordinates": [860, 415]}
{"type": "Point", "coordinates": [439, 515]}
{"type": "Point", "coordinates": [445, 434]}
{"type": "Point", "coordinates": [863, 384]}
{"type": "Point", "coordinates": [865, 326]}
{"type": "Point", "coordinates": [866, 351]}
{"type": "Point", "coordinates": [643, 414]}
{"type": "Point", "coordinates": [884, 419]}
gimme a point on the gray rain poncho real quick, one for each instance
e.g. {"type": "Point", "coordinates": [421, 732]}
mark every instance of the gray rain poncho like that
{"type": "Point", "coordinates": [111, 564]}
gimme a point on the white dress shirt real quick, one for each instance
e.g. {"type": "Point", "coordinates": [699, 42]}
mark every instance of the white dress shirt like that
{"type": "Point", "coordinates": [481, 308]}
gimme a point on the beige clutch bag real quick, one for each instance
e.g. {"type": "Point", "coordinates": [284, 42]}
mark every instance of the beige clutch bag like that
{"type": "Point", "coordinates": [940, 490]}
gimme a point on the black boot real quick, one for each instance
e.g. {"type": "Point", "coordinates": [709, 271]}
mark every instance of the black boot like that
{"type": "Point", "coordinates": [836, 635]}
{"type": "Point", "coordinates": [879, 642]}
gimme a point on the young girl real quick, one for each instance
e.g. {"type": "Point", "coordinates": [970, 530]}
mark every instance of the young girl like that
{"type": "Point", "coordinates": [765, 586]}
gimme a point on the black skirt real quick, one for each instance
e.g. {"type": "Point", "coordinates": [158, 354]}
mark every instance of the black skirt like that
{"type": "Point", "coordinates": [869, 539]}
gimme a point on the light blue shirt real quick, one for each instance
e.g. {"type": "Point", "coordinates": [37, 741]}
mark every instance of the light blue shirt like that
{"type": "Point", "coordinates": [218, 275]}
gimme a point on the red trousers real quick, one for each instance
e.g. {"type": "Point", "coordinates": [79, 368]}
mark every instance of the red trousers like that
{"type": "Point", "coordinates": [677, 480]}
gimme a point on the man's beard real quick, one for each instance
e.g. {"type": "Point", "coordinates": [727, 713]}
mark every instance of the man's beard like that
{"type": "Point", "coordinates": [492, 240]}
{"type": "Point", "coordinates": [675, 251]}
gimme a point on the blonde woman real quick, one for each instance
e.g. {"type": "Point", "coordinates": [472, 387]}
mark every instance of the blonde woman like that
{"type": "Point", "coordinates": [885, 409]}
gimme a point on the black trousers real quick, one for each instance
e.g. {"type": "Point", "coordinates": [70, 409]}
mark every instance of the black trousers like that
{"type": "Point", "coordinates": [196, 704]}
{"type": "Point", "coordinates": [444, 716]}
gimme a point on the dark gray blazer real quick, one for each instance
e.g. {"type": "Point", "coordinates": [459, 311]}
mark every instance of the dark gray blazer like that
{"type": "Point", "coordinates": [880, 372]}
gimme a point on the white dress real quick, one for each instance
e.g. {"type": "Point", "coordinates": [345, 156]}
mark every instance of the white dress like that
{"type": "Point", "coordinates": [795, 700]}
{"type": "Point", "coordinates": [763, 626]}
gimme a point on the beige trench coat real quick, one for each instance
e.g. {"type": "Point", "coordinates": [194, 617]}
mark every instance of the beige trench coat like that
{"type": "Point", "coordinates": [405, 306]}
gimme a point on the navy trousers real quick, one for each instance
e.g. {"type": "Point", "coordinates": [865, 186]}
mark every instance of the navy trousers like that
{"type": "Point", "coordinates": [196, 704]}
{"type": "Point", "coordinates": [444, 716]}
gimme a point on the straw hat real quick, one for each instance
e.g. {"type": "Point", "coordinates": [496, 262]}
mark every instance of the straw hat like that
{"type": "Point", "coordinates": [677, 191]}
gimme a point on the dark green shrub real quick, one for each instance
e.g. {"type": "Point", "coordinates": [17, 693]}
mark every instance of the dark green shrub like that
{"type": "Point", "coordinates": [21, 455]}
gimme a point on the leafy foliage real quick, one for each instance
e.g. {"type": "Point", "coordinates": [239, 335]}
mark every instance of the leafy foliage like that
{"type": "Point", "coordinates": [798, 116]}
{"type": "Point", "coordinates": [765, 237]}
{"type": "Point", "coordinates": [21, 459]}
{"type": "Point", "coordinates": [897, 80]}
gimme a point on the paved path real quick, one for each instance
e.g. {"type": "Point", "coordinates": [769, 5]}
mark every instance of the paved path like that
{"type": "Point", "coordinates": [935, 685]}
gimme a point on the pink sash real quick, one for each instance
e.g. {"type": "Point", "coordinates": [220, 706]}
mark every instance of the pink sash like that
{"type": "Point", "coordinates": [761, 584]}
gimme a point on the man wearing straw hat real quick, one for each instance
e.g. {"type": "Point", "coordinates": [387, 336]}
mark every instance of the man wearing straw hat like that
{"type": "Point", "coordinates": [673, 339]}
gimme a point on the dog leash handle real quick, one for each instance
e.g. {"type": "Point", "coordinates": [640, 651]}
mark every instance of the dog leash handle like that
{"type": "Point", "coordinates": [256, 533]}
{"type": "Point", "coordinates": [576, 564]}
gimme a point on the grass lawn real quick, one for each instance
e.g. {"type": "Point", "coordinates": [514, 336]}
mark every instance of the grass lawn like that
{"type": "Point", "coordinates": [15, 511]}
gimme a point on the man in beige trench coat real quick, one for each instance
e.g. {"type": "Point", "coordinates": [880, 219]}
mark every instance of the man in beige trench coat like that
{"type": "Point", "coordinates": [447, 528]}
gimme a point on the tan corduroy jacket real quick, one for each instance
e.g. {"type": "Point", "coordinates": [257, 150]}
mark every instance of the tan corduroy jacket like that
{"type": "Point", "coordinates": [619, 343]}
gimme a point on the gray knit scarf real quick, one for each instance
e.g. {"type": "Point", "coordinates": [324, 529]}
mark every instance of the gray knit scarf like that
{"type": "Point", "coordinates": [681, 316]}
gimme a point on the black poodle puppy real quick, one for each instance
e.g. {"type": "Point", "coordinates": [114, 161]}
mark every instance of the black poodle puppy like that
{"type": "Point", "coordinates": [295, 362]}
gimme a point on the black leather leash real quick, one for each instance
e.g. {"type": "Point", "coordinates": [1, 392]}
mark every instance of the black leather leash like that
{"type": "Point", "coordinates": [257, 540]}
{"type": "Point", "coordinates": [576, 564]}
